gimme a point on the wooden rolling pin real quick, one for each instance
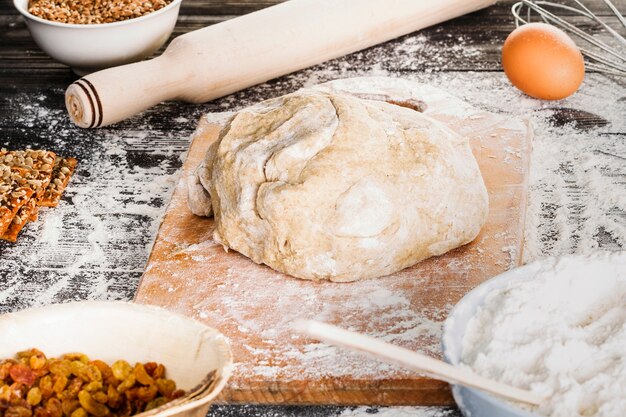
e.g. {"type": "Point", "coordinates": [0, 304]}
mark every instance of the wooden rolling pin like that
{"type": "Point", "coordinates": [241, 52]}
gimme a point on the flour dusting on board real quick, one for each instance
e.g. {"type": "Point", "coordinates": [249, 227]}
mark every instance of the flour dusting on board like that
{"type": "Point", "coordinates": [269, 351]}
{"type": "Point", "coordinates": [296, 299]}
{"type": "Point", "coordinates": [255, 306]}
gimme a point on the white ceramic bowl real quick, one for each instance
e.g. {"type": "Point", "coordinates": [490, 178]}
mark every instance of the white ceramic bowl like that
{"type": "Point", "coordinates": [475, 403]}
{"type": "Point", "coordinates": [109, 331]}
{"type": "Point", "coordinates": [89, 48]}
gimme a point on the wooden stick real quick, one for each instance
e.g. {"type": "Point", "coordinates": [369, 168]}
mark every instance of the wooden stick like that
{"type": "Point", "coordinates": [223, 58]}
{"type": "Point", "coordinates": [389, 353]}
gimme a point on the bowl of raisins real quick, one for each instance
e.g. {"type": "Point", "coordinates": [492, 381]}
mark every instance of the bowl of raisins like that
{"type": "Point", "coordinates": [109, 359]}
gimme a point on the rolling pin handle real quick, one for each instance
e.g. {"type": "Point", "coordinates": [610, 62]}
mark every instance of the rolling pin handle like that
{"type": "Point", "coordinates": [220, 59]}
{"type": "Point", "coordinates": [111, 95]}
{"type": "Point", "coordinates": [83, 104]}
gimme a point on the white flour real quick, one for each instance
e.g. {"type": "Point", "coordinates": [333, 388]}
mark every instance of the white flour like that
{"type": "Point", "coordinates": [561, 334]}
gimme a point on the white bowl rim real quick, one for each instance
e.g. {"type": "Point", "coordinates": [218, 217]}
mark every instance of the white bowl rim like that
{"type": "Point", "coordinates": [226, 369]}
{"type": "Point", "coordinates": [90, 26]}
{"type": "Point", "coordinates": [479, 293]}
{"type": "Point", "coordinates": [516, 274]}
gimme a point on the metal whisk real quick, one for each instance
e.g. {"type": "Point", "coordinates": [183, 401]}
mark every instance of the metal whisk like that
{"type": "Point", "coordinates": [611, 59]}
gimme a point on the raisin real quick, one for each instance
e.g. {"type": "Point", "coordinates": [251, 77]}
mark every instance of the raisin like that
{"type": "Point", "coordinates": [177, 394]}
{"type": "Point", "coordinates": [79, 412]}
{"type": "Point", "coordinates": [45, 385]}
{"type": "Point", "coordinates": [5, 392]}
{"type": "Point", "coordinates": [61, 367]}
{"type": "Point", "coordinates": [142, 376]}
{"type": "Point", "coordinates": [92, 373]}
{"type": "Point", "coordinates": [113, 397]}
{"type": "Point", "coordinates": [157, 402]}
{"type": "Point", "coordinates": [73, 388]}
{"type": "Point", "coordinates": [125, 409]}
{"type": "Point", "coordinates": [121, 369]}
{"type": "Point", "coordinates": [127, 383]}
{"type": "Point", "coordinates": [131, 394]}
{"type": "Point", "coordinates": [53, 407]}
{"type": "Point", "coordinates": [148, 393]}
{"type": "Point", "coordinates": [22, 374]}
{"type": "Point", "coordinates": [93, 386]}
{"type": "Point", "coordinates": [68, 406]}
{"type": "Point", "coordinates": [77, 368]}
{"type": "Point", "coordinates": [4, 368]}
{"type": "Point", "coordinates": [105, 371]}
{"type": "Point", "coordinates": [34, 396]}
{"type": "Point", "coordinates": [36, 358]}
{"type": "Point", "coordinates": [150, 367]}
{"type": "Point", "coordinates": [101, 397]}
{"type": "Point", "coordinates": [60, 384]}
{"type": "Point", "coordinates": [166, 387]}
{"type": "Point", "coordinates": [18, 411]}
{"type": "Point", "coordinates": [28, 353]}
{"type": "Point", "coordinates": [92, 406]}
{"type": "Point", "coordinates": [159, 372]}
{"type": "Point", "coordinates": [76, 357]}
{"type": "Point", "coordinates": [41, 412]}
{"type": "Point", "coordinates": [17, 391]}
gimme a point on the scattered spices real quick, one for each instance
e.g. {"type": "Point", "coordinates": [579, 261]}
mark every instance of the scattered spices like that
{"type": "Point", "coordinates": [31, 385]}
{"type": "Point", "coordinates": [93, 11]}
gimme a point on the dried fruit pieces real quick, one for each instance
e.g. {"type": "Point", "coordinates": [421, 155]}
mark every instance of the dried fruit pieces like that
{"type": "Point", "coordinates": [75, 386]}
{"type": "Point", "coordinates": [29, 179]}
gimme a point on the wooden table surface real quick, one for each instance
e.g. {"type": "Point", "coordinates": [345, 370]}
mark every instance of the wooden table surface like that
{"type": "Point", "coordinates": [96, 243]}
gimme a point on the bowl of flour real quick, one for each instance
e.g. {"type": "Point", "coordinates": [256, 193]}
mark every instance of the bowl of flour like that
{"type": "Point", "coordinates": [556, 327]}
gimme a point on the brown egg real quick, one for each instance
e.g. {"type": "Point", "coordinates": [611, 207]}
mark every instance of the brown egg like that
{"type": "Point", "coordinates": [542, 61]}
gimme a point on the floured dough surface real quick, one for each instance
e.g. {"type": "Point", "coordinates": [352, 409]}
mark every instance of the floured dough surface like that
{"type": "Point", "coordinates": [321, 185]}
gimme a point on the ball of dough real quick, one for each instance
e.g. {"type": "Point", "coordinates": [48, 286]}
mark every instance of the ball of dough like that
{"type": "Point", "coordinates": [330, 186]}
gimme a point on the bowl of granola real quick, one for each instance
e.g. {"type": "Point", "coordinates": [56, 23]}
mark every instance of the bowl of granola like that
{"type": "Point", "coordinates": [109, 359]}
{"type": "Point", "coordinates": [92, 35]}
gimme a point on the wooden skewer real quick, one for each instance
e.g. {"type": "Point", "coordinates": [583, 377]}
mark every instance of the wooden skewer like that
{"type": "Point", "coordinates": [389, 353]}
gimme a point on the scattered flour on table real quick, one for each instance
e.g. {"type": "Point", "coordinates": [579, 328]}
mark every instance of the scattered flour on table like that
{"type": "Point", "coordinates": [95, 243]}
{"type": "Point", "coordinates": [98, 240]}
{"type": "Point", "coordinates": [398, 412]}
{"type": "Point", "coordinates": [561, 334]}
{"type": "Point", "coordinates": [331, 411]}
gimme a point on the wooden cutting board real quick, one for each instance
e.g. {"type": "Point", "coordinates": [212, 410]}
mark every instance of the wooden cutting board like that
{"type": "Point", "coordinates": [254, 306]}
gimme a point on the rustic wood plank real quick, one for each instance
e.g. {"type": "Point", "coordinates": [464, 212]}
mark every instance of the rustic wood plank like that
{"type": "Point", "coordinates": [443, 48]}
{"type": "Point", "coordinates": [239, 7]}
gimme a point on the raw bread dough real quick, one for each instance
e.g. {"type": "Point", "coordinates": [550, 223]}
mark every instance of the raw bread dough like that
{"type": "Point", "coordinates": [330, 186]}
